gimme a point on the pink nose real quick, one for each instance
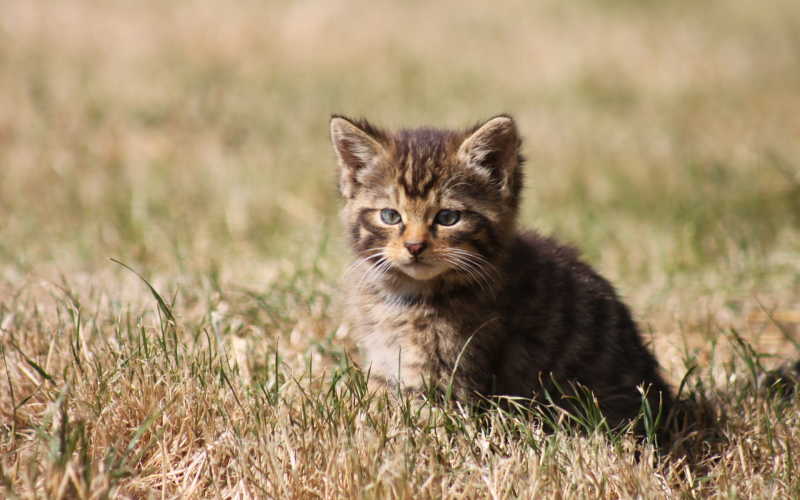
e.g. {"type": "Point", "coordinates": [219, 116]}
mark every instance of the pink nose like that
{"type": "Point", "coordinates": [415, 247]}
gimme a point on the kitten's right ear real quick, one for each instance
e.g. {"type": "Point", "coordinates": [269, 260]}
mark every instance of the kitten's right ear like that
{"type": "Point", "coordinates": [358, 146]}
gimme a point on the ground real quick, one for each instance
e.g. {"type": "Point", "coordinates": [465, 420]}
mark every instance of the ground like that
{"type": "Point", "coordinates": [188, 141]}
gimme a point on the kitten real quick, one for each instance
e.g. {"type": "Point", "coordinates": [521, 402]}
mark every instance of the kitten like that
{"type": "Point", "coordinates": [446, 293]}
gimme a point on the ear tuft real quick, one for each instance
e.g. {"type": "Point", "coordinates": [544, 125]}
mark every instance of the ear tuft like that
{"type": "Point", "coordinates": [358, 147]}
{"type": "Point", "coordinates": [356, 142]}
{"type": "Point", "coordinates": [493, 149]}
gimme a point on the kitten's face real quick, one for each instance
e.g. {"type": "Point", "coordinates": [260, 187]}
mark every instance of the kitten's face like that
{"type": "Point", "coordinates": [420, 236]}
{"type": "Point", "coordinates": [428, 204]}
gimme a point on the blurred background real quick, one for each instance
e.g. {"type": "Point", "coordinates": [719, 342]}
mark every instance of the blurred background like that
{"type": "Point", "coordinates": [189, 139]}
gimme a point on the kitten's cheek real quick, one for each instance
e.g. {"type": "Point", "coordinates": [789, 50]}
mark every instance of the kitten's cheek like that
{"type": "Point", "coordinates": [395, 255]}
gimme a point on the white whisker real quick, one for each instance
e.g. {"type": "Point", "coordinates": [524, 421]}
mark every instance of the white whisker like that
{"type": "Point", "coordinates": [372, 254]}
{"type": "Point", "coordinates": [471, 270]}
{"type": "Point", "coordinates": [475, 266]}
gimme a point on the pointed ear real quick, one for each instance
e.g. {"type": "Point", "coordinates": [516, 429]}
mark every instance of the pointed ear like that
{"type": "Point", "coordinates": [493, 150]}
{"type": "Point", "coordinates": [358, 146]}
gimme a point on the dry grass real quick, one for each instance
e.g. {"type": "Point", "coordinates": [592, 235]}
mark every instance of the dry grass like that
{"type": "Point", "coordinates": [188, 140]}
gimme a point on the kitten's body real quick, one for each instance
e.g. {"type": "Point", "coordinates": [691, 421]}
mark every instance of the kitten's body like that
{"type": "Point", "coordinates": [475, 307]}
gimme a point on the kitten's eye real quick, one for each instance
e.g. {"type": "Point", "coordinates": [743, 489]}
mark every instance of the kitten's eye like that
{"type": "Point", "coordinates": [447, 217]}
{"type": "Point", "coordinates": [390, 216]}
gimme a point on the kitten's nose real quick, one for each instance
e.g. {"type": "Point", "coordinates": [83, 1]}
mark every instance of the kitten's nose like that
{"type": "Point", "coordinates": [415, 247]}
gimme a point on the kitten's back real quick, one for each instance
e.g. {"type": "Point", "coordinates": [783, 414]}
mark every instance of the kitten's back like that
{"type": "Point", "coordinates": [567, 322]}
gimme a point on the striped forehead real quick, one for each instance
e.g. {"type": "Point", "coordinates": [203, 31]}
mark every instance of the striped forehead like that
{"type": "Point", "coordinates": [420, 157]}
{"type": "Point", "coordinates": [417, 177]}
{"type": "Point", "coordinates": [415, 206]}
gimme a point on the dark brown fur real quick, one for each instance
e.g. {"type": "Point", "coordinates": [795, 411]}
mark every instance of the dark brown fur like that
{"type": "Point", "coordinates": [522, 317]}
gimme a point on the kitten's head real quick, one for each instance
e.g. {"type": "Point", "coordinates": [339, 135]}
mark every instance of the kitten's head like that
{"type": "Point", "coordinates": [426, 205]}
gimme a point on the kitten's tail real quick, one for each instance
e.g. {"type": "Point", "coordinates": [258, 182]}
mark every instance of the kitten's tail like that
{"type": "Point", "coordinates": [783, 380]}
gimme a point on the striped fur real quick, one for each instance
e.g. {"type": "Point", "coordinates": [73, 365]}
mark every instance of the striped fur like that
{"type": "Point", "coordinates": [484, 309]}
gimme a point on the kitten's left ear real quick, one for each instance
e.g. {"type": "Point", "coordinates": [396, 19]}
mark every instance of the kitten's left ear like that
{"type": "Point", "coordinates": [493, 150]}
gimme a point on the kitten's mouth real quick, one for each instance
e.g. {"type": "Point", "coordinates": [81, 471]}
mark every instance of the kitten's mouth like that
{"type": "Point", "coordinates": [421, 270]}
{"type": "Point", "coordinates": [417, 262]}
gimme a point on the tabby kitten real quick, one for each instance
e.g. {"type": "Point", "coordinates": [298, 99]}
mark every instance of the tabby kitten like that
{"type": "Point", "coordinates": [446, 293]}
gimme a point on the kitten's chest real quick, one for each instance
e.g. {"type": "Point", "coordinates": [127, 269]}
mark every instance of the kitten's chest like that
{"type": "Point", "coordinates": [415, 343]}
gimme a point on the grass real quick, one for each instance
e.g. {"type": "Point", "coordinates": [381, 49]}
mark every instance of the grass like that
{"type": "Point", "coordinates": [188, 141]}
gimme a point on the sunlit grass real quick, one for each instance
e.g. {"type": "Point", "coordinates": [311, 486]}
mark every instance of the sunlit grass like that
{"type": "Point", "coordinates": [189, 142]}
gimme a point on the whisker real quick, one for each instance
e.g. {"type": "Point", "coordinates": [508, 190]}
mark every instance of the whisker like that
{"type": "Point", "coordinates": [490, 267]}
{"type": "Point", "coordinates": [361, 261]}
{"type": "Point", "coordinates": [476, 267]}
{"type": "Point", "coordinates": [371, 273]}
{"type": "Point", "coordinates": [472, 270]}
{"type": "Point", "coordinates": [375, 272]}
{"type": "Point", "coordinates": [367, 274]}
{"type": "Point", "coordinates": [473, 255]}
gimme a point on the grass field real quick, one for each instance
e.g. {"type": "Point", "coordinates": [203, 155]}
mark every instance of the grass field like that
{"type": "Point", "coordinates": [188, 140]}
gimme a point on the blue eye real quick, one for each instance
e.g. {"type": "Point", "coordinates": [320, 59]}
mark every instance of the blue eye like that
{"type": "Point", "coordinates": [390, 216]}
{"type": "Point", "coordinates": [447, 217]}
